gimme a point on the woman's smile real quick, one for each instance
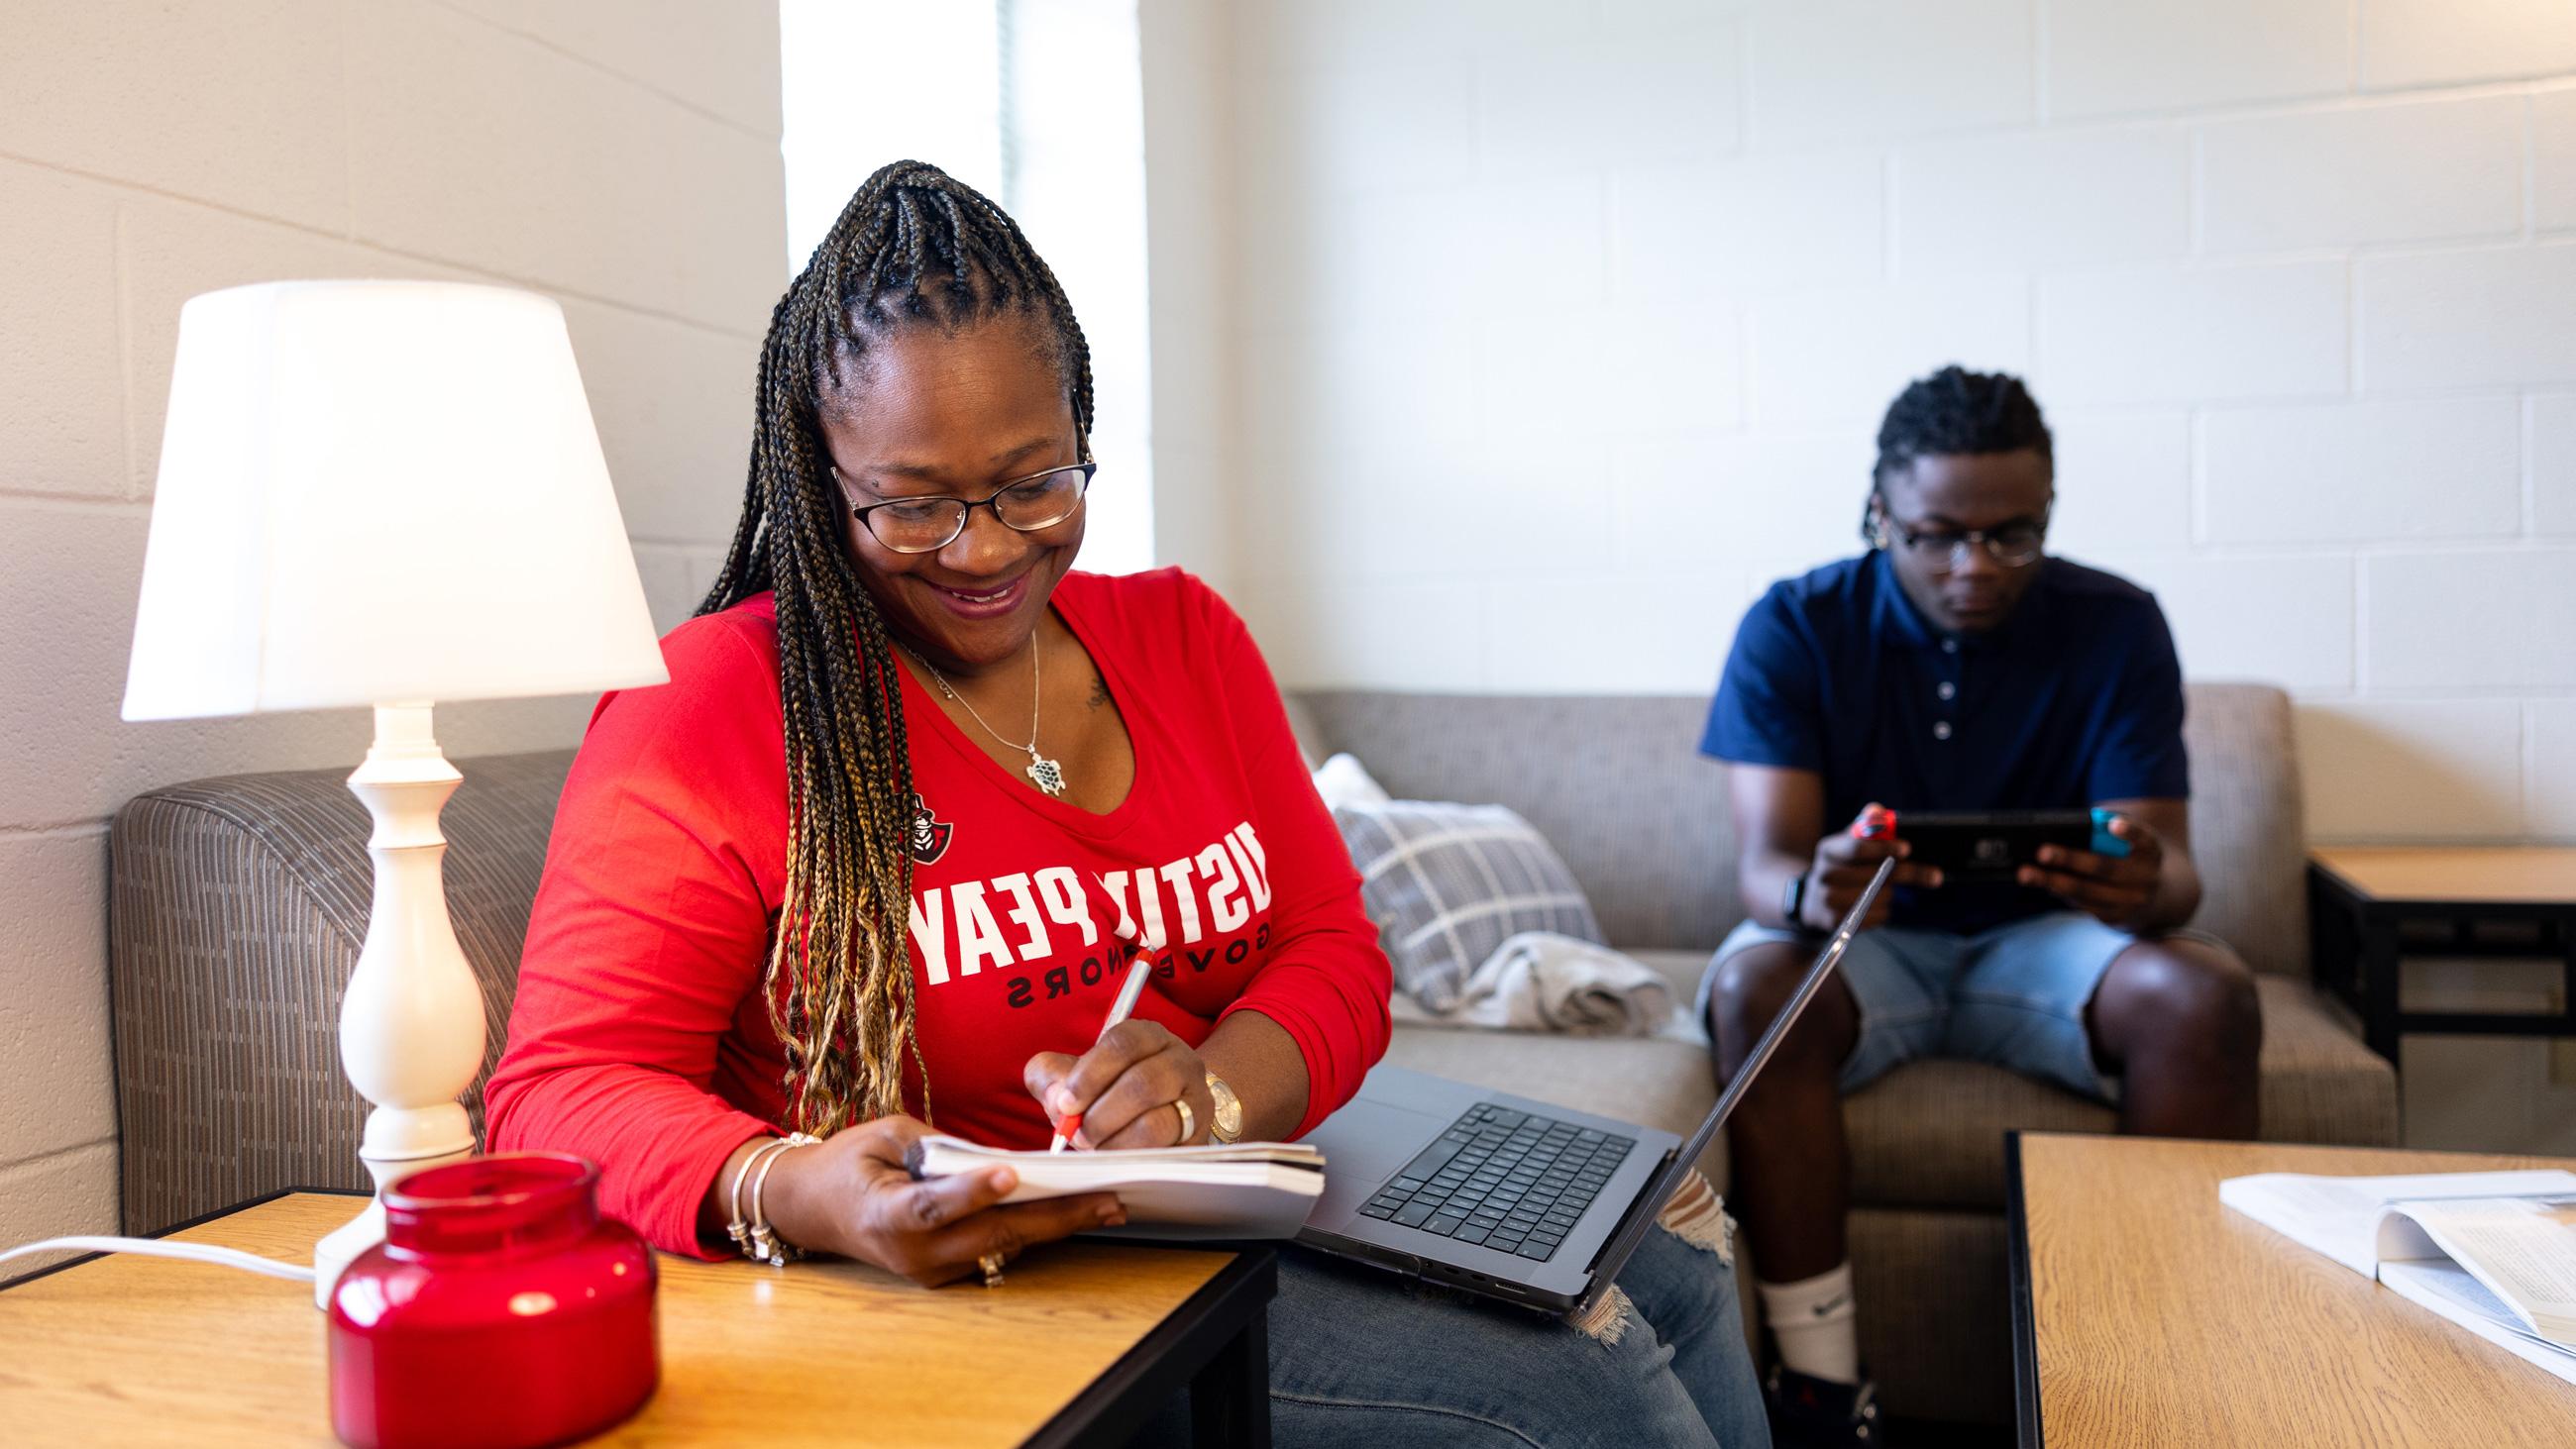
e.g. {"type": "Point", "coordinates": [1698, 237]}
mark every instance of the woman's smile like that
{"type": "Point", "coordinates": [990, 601]}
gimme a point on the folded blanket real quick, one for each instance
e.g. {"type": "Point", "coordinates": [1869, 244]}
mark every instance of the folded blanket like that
{"type": "Point", "coordinates": [1541, 981]}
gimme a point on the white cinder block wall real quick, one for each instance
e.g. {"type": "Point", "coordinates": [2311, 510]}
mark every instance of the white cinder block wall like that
{"type": "Point", "coordinates": [621, 157]}
{"type": "Point", "coordinates": [1564, 326]}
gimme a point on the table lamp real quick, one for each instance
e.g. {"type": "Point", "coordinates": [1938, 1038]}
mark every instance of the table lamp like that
{"type": "Point", "coordinates": [385, 494]}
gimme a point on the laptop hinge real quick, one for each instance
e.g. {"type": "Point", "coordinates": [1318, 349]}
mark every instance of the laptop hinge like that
{"type": "Point", "coordinates": [1645, 1193]}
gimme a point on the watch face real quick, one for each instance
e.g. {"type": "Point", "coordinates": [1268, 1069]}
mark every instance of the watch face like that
{"type": "Point", "coordinates": [1229, 1108]}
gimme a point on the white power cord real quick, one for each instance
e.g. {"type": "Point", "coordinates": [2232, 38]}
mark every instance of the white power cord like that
{"type": "Point", "coordinates": [164, 1248]}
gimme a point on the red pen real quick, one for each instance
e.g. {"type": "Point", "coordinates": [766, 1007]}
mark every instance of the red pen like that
{"type": "Point", "coordinates": [1119, 1010]}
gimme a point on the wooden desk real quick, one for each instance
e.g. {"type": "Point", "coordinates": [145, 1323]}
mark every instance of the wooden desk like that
{"type": "Point", "coordinates": [2449, 874]}
{"type": "Point", "coordinates": [2368, 904]}
{"type": "Point", "coordinates": [2145, 1314]}
{"type": "Point", "coordinates": [1080, 1344]}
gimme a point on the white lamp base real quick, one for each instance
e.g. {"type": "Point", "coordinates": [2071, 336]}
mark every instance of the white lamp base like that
{"type": "Point", "coordinates": [411, 1023]}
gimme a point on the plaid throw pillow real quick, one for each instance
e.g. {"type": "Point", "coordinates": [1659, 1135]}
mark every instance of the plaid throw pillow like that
{"type": "Point", "coordinates": [1446, 884]}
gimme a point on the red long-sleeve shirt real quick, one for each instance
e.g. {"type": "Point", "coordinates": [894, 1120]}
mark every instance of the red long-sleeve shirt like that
{"type": "Point", "coordinates": [640, 1039]}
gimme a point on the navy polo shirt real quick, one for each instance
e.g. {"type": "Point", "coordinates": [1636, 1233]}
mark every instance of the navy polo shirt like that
{"type": "Point", "coordinates": [2075, 699]}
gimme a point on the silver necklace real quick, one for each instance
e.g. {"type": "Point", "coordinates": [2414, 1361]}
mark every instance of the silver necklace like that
{"type": "Point", "coordinates": [1044, 773]}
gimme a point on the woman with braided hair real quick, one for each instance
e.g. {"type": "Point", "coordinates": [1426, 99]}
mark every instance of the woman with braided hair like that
{"type": "Point", "coordinates": [878, 856]}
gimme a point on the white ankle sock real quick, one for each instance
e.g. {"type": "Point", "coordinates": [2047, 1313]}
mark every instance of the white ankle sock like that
{"type": "Point", "coordinates": [1814, 1323]}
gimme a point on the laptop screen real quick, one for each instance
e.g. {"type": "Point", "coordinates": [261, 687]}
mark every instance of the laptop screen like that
{"type": "Point", "coordinates": [1660, 1188]}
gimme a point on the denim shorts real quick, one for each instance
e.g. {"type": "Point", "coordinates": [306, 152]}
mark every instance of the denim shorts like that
{"type": "Point", "coordinates": [2012, 997]}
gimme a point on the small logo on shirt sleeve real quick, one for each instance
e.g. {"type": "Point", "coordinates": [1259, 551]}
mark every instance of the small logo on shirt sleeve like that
{"type": "Point", "coordinates": [930, 834]}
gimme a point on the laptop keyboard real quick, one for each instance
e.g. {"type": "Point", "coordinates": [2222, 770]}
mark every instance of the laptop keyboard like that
{"type": "Point", "coordinates": [1511, 1181]}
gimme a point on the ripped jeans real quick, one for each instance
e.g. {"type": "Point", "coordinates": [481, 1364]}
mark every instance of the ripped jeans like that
{"type": "Point", "coordinates": [1357, 1357]}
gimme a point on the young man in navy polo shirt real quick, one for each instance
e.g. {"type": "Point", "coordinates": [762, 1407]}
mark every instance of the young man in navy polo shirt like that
{"type": "Point", "coordinates": [1954, 666]}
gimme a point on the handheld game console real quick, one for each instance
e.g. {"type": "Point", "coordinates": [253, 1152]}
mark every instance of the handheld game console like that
{"type": "Point", "coordinates": [1988, 846]}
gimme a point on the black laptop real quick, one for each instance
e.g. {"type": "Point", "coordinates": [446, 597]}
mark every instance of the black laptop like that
{"type": "Point", "coordinates": [1519, 1200]}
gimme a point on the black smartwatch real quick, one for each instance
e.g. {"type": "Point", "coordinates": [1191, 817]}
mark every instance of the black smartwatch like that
{"type": "Point", "coordinates": [1793, 902]}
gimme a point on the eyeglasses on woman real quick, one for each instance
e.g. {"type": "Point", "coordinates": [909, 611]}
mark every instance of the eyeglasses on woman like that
{"type": "Point", "coordinates": [927, 525]}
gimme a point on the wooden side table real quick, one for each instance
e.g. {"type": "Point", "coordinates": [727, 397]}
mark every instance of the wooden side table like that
{"type": "Point", "coordinates": [1081, 1344]}
{"type": "Point", "coordinates": [2146, 1315]}
{"type": "Point", "coordinates": [2361, 897]}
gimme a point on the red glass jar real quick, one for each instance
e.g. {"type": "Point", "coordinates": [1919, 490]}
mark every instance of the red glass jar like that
{"type": "Point", "coordinates": [501, 1310]}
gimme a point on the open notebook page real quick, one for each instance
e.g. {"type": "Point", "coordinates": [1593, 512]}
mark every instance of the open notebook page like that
{"type": "Point", "coordinates": [1245, 1190]}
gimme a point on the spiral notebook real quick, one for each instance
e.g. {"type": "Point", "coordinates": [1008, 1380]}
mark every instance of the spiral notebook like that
{"type": "Point", "coordinates": [1243, 1190]}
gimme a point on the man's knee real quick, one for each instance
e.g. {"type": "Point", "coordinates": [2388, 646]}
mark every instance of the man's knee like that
{"type": "Point", "coordinates": [1755, 985]}
{"type": "Point", "coordinates": [1752, 985]}
{"type": "Point", "coordinates": [2188, 995]}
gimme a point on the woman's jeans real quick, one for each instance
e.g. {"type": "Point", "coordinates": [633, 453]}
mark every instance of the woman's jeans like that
{"type": "Point", "coordinates": [1359, 1357]}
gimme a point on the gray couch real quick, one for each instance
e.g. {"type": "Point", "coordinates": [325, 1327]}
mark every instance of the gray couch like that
{"type": "Point", "coordinates": [238, 906]}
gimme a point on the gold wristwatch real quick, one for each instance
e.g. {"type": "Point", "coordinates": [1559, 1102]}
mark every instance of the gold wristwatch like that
{"type": "Point", "coordinates": [1228, 1126]}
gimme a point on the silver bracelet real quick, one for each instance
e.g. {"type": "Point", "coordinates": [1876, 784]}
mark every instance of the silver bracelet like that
{"type": "Point", "coordinates": [758, 1240]}
{"type": "Point", "coordinates": [735, 1227]}
{"type": "Point", "coordinates": [740, 1223]}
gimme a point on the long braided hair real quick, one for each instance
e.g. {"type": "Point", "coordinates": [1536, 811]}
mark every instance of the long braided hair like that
{"type": "Point", "coordinates": [914, 246]}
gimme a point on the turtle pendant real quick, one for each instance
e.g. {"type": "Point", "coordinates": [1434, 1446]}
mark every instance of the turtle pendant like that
{"type": "Point", "coordinates": [1046, 774]}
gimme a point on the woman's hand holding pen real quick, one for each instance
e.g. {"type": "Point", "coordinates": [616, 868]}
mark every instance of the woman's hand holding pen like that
{"type": "Point", "coordinates": [852, 1195]}
{"type": "Point", "coordinates": [1138, 1086]}
{"type": "Point", "coordinates": [1124, 1087]}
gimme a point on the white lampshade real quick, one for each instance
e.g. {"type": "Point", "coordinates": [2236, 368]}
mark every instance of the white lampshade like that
{"type": "Point", "coordinates": [378, 493]}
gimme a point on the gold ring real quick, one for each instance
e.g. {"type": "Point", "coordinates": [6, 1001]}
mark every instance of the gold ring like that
{"type": "Point", "coordinates": [991, 1263]}
{"type": "Point", "coordinates": [1189, 1123]}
